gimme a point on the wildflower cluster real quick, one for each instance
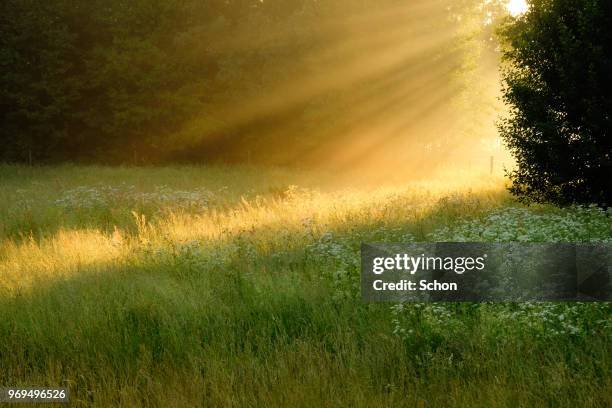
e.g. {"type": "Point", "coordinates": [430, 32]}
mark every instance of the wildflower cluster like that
{"type": "Point", "coordinates": [343, 261]}
{"type": "Point", "coordinates": [163, 197]}
{"type": "Point", "coordinates": [545, 320]}
{"type": "Point", "coordinates": [541, 320]}
{"type": "Point", "coordinates": [576, 224]}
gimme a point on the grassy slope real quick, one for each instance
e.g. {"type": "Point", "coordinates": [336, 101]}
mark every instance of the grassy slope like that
{"type": "Point", "coordinates": [245, 294]}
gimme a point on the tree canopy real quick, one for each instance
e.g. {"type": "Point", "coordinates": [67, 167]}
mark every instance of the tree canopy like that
{"type": "Point", "coordinates": [557, 82]}
{"type": "Point", "coordinates": [154, 80]}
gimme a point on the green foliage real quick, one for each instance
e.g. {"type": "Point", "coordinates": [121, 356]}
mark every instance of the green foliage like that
{"type": "Point", "coordinates": [149, 81]}
{"type": "Point", "coordinates": [229, 286]}
{"type": "Point", "coordinates": [90, 79]}
{"type": "Point", "coordinates": [36, 86]}
{"type": "Point", "coordinates": [538, 322]}
{"type": "Point", "coordinates": [558, 87]}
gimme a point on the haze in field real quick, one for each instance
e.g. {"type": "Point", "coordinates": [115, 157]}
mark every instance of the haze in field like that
{"type": "Point", "coordinates": [386, 89]}
{"type": "Point", "coordinates": [398, 93]}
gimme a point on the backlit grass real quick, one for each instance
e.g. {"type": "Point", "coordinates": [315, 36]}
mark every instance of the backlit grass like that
{"type": "Point", "coordinates": [235, 286]}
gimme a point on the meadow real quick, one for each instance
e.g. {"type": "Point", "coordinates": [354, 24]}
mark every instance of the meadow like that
{"type": "Point", "coordinates": [239, 286]}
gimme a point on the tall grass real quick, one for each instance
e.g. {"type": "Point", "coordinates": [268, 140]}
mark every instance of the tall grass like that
{"type": "Point", "coordinates": [233, 286]}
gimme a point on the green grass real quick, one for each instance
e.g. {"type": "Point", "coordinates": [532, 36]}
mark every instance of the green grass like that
{"type": "Point", "coordinates": [230, 286]}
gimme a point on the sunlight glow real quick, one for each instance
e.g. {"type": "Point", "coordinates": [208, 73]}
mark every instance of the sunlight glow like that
{"type": "Point", "coordinates": [377, 93]}
{"type": "Point", "coordinates": [517, 7]}
{"type": "Point", "coordinates": [78, 252]}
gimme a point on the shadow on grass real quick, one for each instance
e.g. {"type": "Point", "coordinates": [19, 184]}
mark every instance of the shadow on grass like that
{"type": "Point", "coordinates": [264, 324]}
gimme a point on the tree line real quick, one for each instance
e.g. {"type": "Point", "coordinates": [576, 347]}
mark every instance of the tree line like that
{"type": "Point", "coordinates": [153, 80]}
{"type": "Point", "coordinates": [557, 84]}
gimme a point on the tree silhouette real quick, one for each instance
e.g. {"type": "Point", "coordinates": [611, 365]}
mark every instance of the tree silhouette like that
{"type": "Point", "coordinates": [558, 86]}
